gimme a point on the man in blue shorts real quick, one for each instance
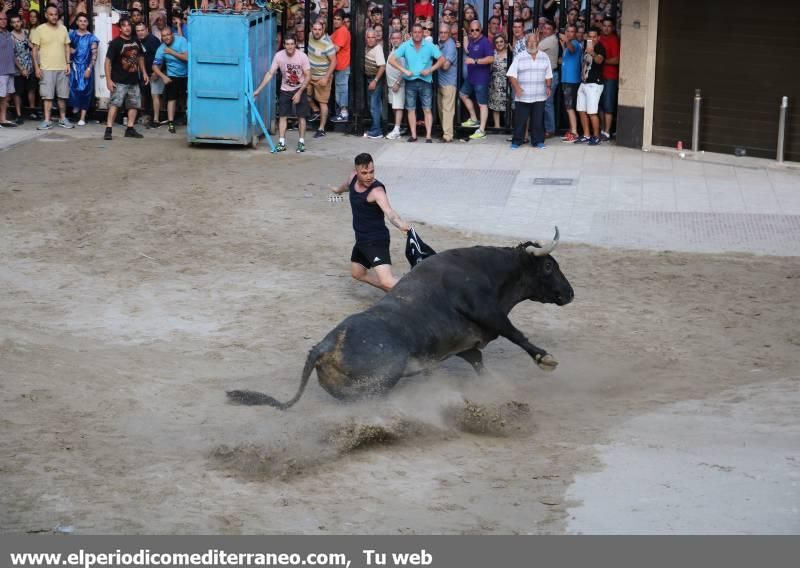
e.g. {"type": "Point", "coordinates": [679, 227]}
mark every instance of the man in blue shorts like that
{"type": "Point", "coordinates": [419, 57]}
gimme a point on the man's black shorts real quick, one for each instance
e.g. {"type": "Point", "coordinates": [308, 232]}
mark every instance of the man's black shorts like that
{"type": "Point", "coordinates": [287, 108]}
{"type": "Point", "coordinates": [570, 91]}
{"type": "Point", "coordinates": [176, 89]}
{"type": "Point", "coordinates": [370, 254]}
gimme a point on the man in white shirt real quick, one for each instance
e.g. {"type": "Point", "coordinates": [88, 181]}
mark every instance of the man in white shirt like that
{"type": "Point", "coordinates": [531, 78]}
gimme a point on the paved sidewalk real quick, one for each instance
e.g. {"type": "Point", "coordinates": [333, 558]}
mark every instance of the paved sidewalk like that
{"type": "Point", "coordinates": [603, 195]}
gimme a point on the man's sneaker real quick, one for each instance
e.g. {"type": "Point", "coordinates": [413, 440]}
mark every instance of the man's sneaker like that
{"type": "Point", "coordinates": [340, 118]}
{"type": "Point", "coordinates": [280, 147]}
{"type": "Point", "coordinates": [34, 116]}
{"type": "Point", "coordinates": [65, 123]}
{"type": "Point", "coordinates": [477, 135]}
{"type": "Point", "coordinates": [375, 136]}
{"type": "Point", "coordinates": [81, 123]}
{"type": "Point", "coordinates": [314, 116]}
{"type": "Point", "coordinates": [319, 133]}
{"type": "Point", "coordinates": [8, 124]}
{"type": "Point", "coordinates": [515, 146]}
{"type": "Point", "coordinates": [570, 137]}
{"type": "Point", "coordinates": [604, 137]}
{"type": "Point", "coordinates": [540, 145]}
{"type": "Point", "coordinates": [44, 125]}
{"type": "Point", "coordinates": [171, 127]}
{"type": "Point", "coordinates": [301, 147]}
{"type": "Point", "coordinates": [581, 140]}
{"type": "Point", "coordinates": [470, 123]}
{"type": "Point", "coordinates": [107, 135]}
{"type": "Point", "coordinates": [130, 132]}
{"type": "Point", "coordinates": [411, 139]}
{"type": "Point", "coordinates": [593, 141]}
{"type": "Point", "coordinates": [393, 135]}
{"type": "Point", "coordinates": [20, 121]}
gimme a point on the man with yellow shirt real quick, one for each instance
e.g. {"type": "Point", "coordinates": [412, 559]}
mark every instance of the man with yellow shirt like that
{"type": "Point", "coordinates": [51, 61]}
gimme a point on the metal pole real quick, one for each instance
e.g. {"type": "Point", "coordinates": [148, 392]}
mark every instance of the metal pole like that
{"type": "Point", "coordinates": [782, 128]}
{"type": "Point", "coordinates": [306, 26]}
{"type": "Point", "coordinates": [696, 121]}
{"type": "Point", "coordinates": [459, 61]}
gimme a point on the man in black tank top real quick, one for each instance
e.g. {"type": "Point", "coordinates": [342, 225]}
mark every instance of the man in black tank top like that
{"type": "Point", "coordinates": [370, 204]}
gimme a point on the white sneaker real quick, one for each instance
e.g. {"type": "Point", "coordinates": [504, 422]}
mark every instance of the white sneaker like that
{"type": "Point", "coordinates": [393, 135]}
{"type": "Point", "coordinates": [81, 123]}
{"type": "Point", "coordinates": [125, 121]}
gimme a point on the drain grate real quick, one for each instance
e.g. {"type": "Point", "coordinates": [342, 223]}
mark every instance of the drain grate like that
{"type": "Point", "coordinates": [553, 181]}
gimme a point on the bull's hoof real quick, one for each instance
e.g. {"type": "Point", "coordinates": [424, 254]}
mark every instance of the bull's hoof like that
{"type": "Point", "coordinates": [547, 363]}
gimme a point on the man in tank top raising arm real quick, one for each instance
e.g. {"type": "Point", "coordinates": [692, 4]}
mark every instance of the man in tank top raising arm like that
{"type": "Point", "coordinates": [370, 205]}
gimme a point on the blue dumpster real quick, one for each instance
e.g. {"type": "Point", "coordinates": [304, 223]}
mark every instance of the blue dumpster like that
{"type": "Point", "coordinates": [228, 53]}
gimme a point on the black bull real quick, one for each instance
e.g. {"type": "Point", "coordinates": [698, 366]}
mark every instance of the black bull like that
{"type": "Point", "coordinates": [453, 303]}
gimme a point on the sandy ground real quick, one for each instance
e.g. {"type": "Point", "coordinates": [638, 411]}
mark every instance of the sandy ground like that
{"type": "Point", "coordinates": [131, 302]}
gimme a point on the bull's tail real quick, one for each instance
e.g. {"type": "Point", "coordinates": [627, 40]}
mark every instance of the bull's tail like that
{"type": "Point", "coordinates": [253, 398]}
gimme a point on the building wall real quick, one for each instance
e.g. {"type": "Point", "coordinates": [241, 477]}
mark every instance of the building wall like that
{"type": "Point", "coordinates": [637, 73]}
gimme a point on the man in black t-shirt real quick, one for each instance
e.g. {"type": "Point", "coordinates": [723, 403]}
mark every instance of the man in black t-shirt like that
{"type": "Point", "coordinates": [124, 67]}
{"type": "Point", "coordinates": [151, 102]}
{"type": "Point", "coordinates": [591, 89]}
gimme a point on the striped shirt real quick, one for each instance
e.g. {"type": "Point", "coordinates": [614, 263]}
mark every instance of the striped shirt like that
{"type": "Point", "coordinates": [373, 60]}
{"type": "Point", "coordinates": [531, 74]}
{"type": "Point", "coordinates": [319, 51]}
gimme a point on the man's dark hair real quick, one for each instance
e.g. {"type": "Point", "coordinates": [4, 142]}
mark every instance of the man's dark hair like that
{"type": "Point", "coordinates": [549, 22]}
{"type": "Point", "coordinates": [134, 11]}
{"type": "Point", "coordinates": [376, 10]}
{"type": "Point", "coordinates": [339, 14]}
{"type": "Point", "coordinates": [573, 10]}
{"type": "Point", "coordinates": [122, 20]}
{"type": "Point", "coordinates": [519, 21]}
{"type": "Point", "coordinates": [51, 6]}
{"type": "Point", "coordinates": [363, 159]}
{"type": "Point", "coordinates": [418, 24]}
{"type": "Point", "coordinates": [81, 15]}
{"type": "Point", "coordinates": [595, 29]}
{"type": "Point", "coordinates": [290, 36]}
{"type": "Point", "coordinates": [608, 19]}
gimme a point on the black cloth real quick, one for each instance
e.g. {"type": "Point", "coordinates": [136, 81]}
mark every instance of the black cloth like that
{"type": "Point", "coordinates": [417, 250]}
{"type": "Point", "coordinates": [149, 47]}
{"type": "Point", "coordinates": [124, 55]}
{"type": "Point", "coordinates": [368, 222]}
{"type": "Point", "coordinates": [593, 73]}
{"type": "Point", "coordinates": [524, 112]}
{"type": "Point", "coordinates": [371, 253]}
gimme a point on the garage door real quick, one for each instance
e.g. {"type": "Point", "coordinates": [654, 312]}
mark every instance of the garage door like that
{"type": "Point", "coordinates": [744, 57]}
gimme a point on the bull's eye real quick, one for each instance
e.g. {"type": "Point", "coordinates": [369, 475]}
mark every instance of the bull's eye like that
{"type": "Point", "coordinates": [548, 266]}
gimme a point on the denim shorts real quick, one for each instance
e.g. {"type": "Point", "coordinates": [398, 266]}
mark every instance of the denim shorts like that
{"type": "Point", "coordinates": [419, 89]}
{"type": "Point", "coordinates": [481, 92]}
{"type": "Point", "coordinates": [608, 101]}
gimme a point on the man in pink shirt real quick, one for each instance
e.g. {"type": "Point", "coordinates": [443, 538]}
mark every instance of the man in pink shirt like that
{"type": "Point", "coordinates": [295, 75]}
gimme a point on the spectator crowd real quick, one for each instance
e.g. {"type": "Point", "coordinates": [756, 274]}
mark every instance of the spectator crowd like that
{"type": "Point", "coordinates": [508, 70]}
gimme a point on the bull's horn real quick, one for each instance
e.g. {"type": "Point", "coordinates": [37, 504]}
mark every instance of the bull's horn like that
{"type": "Point", "coordinates": [545, 249]}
